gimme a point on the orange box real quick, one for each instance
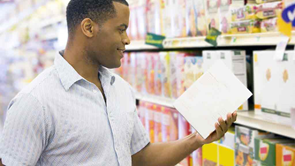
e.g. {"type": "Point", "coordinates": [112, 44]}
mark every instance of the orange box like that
{"type": "Point", "coordinates": [150, 121]}
{"type": "Point", "coordinates": [285, 155]}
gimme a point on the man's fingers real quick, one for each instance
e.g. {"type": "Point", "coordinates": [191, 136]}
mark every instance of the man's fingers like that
{"type": "Point", "coordinates": [222, 125]}
{"type": "Point", "coordinates": [218, 130]}
{"type": "Point", "coordinates": [234, 115]}
{"type": "Point", "coordinates": [229, 120]}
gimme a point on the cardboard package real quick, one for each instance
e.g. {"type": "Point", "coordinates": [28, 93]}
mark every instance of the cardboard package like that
{"type": "Point", "coordinates": [266, 149]}
{"type": "Point", "coordinates": [285, 154]}
{"type": "Point", "coordinates": [274, 86]}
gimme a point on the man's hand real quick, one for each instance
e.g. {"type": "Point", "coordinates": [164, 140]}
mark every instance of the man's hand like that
{"type": "Point", "coordinates": [220, 129]}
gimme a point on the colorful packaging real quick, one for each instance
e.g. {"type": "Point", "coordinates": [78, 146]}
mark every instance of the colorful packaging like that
{"type": "Point", "coordinates": [274, 86]}
{"type": "Point", "coordinates": [269, 25]}
{"type": "Point", "coordinates": [150, 123]}
{"type": "Point", "coordinates": [158, 75]}
{"type": "Point", "coordinates": [180, 74]}
{"type": "Point", "coordinates": [158, 122]}
{"type": "Point", "coordinates": [189, 67]}
{"type": "Point", "coordinates": [169, 124]}
{"type": "Point", "coordinates": [151, 74]}
{"type": "Point", "coordinates": [212, 14]}
{"type": "Point", "coordinates": [178, 18]}
{"type": "Point", "coordinates": [229, 139]}
{"type": "Point", "coordinates": [153, 16]}
{"type": "Point", "coordinates": [243, 13]}
{"type": "Point", "coordinates": [167, 18]}
{"type": "Point", "coordinates": [141, 19]}
{"type": "Point", "coordinates": [225, 16]}
{"type": "Point", "coordinates": [198, 68]}
{"type": "Point", "coordinates": [140, 72]}
{"type": "Point", "coordinates": [246, 26]}
{"type": "Point", "coordinates": [142, 113]}
{"type": "Point", "coordinates": [173, 72]}
{"type": "Point", "coordinates": [265, 1]}
{"type": "Point", "coordinates": [244, 146]}
{"type": "Point", "coordinates": [266, 149]}
{"type": "Point", "coordinates": [268, 10]}
{"type": "Point", "coordinates": [166, 71]}
{"type": "Point", "coordinates": [226, 156]}
{"type": "Point", "coordinates": [183, 131]}
{"type": "Point", "coordinates": [191, 18]}
{"type": "Point", "coordinates": [210, 154]}
{"type": "Point", "coordinates": [285, 154]}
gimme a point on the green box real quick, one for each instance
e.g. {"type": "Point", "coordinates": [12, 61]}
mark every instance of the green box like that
{"type": "Point", "coordinates": [265, 148]}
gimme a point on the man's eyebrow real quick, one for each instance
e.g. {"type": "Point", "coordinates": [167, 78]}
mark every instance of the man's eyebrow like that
{"type": "Point", "coordinates": [124, 25]}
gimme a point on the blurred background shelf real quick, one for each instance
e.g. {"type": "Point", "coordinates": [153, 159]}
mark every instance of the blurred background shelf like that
{"type": "Point", "coordinates": [246, 118]}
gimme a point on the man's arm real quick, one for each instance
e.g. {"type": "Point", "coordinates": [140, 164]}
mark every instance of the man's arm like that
{"type": "Point", "coordinates": [1, 163]}
{"type": "Point", "coordinates": [171, 153]}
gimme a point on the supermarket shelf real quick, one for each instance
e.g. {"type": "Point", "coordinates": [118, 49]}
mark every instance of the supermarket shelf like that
{"type": "Point", "coordinates": [246, 118]}
{"type": "Point", "coordinates": [140, 45]}
{"type": "Point", "coordinates": [255, 39]}
{"type": "Point", "coordinates": [155, 99]}
{"type": "Point", "coordinates": [253, 120]}
{"type": "Point", "coordinates": [21, 16]}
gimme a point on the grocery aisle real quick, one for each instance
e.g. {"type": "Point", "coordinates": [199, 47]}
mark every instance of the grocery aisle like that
{"type": "Point", "coordinates": [168, 53]}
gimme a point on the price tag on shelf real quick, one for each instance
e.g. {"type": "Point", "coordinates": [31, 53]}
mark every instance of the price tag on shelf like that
{"type": "Point", "coordinates": [258, 38]}
{"type": "Point", "coordinates": [281, 47]}
{"type": "Point", "coordinates": [233, 40]}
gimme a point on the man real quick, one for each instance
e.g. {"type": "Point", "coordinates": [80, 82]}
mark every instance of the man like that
{"type": "Point", "coordinates": [79, 113]}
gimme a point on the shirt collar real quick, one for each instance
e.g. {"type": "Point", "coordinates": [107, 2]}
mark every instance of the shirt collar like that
{"type": "Point", "coordinates": [69, 76]}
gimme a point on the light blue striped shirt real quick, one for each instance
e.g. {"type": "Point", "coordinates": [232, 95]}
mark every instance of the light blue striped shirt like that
{"type": "Point", "coordinates": [62, 119]}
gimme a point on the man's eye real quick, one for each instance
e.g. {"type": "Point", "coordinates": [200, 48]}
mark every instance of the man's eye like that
{"type": "Point", "coordinates": [121, 30]}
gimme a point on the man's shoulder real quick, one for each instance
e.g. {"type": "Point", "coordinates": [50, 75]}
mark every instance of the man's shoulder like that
{"type": "Point", "coordinates": [42, 85]}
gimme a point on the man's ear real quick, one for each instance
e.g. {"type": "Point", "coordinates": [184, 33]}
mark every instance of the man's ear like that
{"type": "Point", "coordinates": [87, 27]}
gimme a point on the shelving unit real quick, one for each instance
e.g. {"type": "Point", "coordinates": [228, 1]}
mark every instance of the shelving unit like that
{"type": "Point", "coordinates": [255, 39]}
{"type": "Point", "coordinates": [246, 118]}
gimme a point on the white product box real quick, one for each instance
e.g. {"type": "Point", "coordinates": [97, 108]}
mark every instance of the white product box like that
{"type": "Point", "coordinates": [235, 60]}
{"type": "Point", "coordinates": [274, 85]}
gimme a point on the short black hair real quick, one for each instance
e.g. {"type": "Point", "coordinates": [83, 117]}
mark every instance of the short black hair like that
{"type": "Point", "coordinates": [97, 10]}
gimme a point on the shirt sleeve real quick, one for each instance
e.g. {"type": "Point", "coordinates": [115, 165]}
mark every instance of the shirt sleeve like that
{"type": "Point", "coordinates": [24, 134]}
{"type": "Point", "coordinates": [140, 138]}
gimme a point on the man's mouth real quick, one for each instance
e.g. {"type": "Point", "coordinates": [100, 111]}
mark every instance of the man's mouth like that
{"type": "Point", "coordinates": [121, 51]}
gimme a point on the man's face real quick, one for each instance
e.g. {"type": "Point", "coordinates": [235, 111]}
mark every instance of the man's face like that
{"type": "Point", "coordinates": [107, 46]}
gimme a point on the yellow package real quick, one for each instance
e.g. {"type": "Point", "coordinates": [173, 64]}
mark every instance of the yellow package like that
{"type": "Point", "coordinates": [268, 10]}
{"type": "Point", "coordinates": [265, 1]}
{"type": "Point", "coordinates": [247, 26]}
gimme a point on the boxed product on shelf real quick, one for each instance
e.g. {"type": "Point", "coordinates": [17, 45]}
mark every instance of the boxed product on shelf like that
{"type": "Point", "coordinates": [192, 69]}
{"type": "Point", "coordinates": [150, 122]}
{"type": "Point", "coordinates": [153, 16]}
{"type": "Point", "coordinates": [166, 10]}
{"type": "Point", "coordinates": [134, 34]}
{"type": "Point", "coordinates": [243, 13]}
{"type": "Point", "coordinates": [212, 14]}
{"type": "Point", "coordinates": [274, 85]}
{"type": "Point", "coordinates": [269, 25]}
{"type": "Point", "coordinates": [151, 57]}
{"type": "Point", "coordinates": [195, 158]}
{"type": "Point", "coordinates": [245, 26]}
{"type": "Point", "coordinates": [265, 146]}
{"type": "Point", "coordinates": [183, 131]}
{"type": "Point", "coordinates": [178, 18]}
{"type": "Point", "coordinates": [141, 19]}
{"type": "Point", "coordinates": [225, 16]}
{"type": "Point", "coordinates": [196, 24]}
{"type": "Point", "coordinates": [229, 138]}
{"type": "Point", "coordinates": [268, 10]}
{"type": "Point", "coordinates": [140, 72]}
{"type": "Point", "coordinates": [265, 1]}
{"type": "Point", "coordinates": [285, 154]}
{"type": "Point", "coordinates": [173, 74]}
{"type": "Point", "coordinates": [180, 74]}
{"type": "Point", "coordinates": [166, 74]}
{"type": "Point", "coordinates": [169, 124]}
{"type": "Point", "coordinates": [210, 154]}
{"type": "Point", "coordinates": [244, 146]}
{"type": "Point", "coordinates": [226, 155]}
{"type": "Point", "coordinates": [234, 59]}
{"type": "Point", "coordinates": [158, 75]}
{"type": "Point", "coordinates": [142, 112]}
{"type": "Point", "coordinates": [158, 122]}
